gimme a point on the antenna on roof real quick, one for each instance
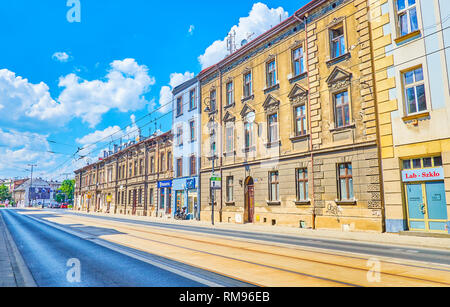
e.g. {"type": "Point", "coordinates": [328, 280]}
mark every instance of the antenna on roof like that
{"type": "Point", "coordinates": [231, 42]}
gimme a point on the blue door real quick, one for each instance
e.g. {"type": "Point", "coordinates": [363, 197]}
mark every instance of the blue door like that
{"type": "Point", "coordinates": [416, 206]}
{"type": "Point", "coordinates": [436, 205]}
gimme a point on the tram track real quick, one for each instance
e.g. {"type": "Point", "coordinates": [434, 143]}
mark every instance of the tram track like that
{"type": "Point", "coordinates": [184, 241]}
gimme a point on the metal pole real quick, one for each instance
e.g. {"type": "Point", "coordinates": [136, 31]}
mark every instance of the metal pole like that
{"type": "Point", "coordinates": [31, 183]}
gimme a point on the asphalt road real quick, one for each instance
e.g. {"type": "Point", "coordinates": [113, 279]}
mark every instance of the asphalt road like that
{"type": "Point", "coordinates": [372, 249]}
{"type": "Point", "coordinates": [56, 258]}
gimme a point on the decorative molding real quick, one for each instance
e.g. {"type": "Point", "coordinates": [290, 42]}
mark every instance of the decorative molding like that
{"type": "Point", "coordinates": [245, 110]}
{"type": "Point", "coordinates": [298, 95]}
{"type": "Point", "coordinates": [271, 104]}
{"type": "Point", "coordinates": [339, 79]}
{"type": "Point", "coordinates": [336, 21]}
{"type": "Point", "coordinates": [229, 117]}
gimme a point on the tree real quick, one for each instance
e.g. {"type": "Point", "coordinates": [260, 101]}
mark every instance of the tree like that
{"type": "Point", "coordinates": [67, 188]}
{"type": "Point", "coordinates": [4, 193]}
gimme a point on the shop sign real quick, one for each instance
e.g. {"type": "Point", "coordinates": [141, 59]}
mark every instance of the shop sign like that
{"type": "Point", "coordinates": [190, 184]}
{"type": "Point", "coordinates": [164, 184]}
{"type": "Point", "coordinates": [428, 174]}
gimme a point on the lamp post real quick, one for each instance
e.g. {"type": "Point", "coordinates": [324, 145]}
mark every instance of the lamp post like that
{"type": "Point", "coordinates": [211, 109]}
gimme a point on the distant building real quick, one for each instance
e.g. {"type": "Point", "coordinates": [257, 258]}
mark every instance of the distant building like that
{"type": "Point", "coordinates": [134, 179]}
{"type": "Point", "coordinates": [34, 192]}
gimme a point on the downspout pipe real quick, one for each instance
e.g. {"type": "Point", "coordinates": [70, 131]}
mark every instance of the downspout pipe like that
{"type": "Point", "coordinates": [305, 21]}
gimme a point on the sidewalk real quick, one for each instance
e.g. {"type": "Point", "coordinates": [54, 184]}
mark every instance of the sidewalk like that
{"type": "Point", "coordinates": [362, 237]}
{"type": "Point", "coordinates": [11, 263]}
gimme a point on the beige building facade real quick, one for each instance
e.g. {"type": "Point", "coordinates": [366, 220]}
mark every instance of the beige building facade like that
{"type": "Point", "coordinates": [291, 125]}
{"type": "Point", "coordinates": [127, 181]}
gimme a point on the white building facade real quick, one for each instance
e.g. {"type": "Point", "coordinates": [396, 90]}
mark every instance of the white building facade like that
{"type": "Point", "coordinates": [186, 148]}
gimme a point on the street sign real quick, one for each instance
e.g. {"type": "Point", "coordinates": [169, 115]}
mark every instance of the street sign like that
{"type": "Point", "coordinates": [216, 183]}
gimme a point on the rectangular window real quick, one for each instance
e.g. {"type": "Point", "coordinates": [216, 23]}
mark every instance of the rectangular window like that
{"type": "Point", "coordinates": [300, 120]}
{"type": "Point", "coordinates": [248, 134]}
{"type": "Point", "coordinates": [416, 101]}
{"type": "Point", "coordinates": [271, 74]}
{"type": "Point", "coordinates": [248, 90]}
{"type": "Point", "coordinates": [273, 186]}
{"type": "Point", "coordinates": [193, 165]}
{"type": "Point", "coordinates": [179, 106]}
{"type": "Point", "coordinates": [151, 197]}
{"type": "Point", "coordinates": [273, 128]}
{"type": "Point", "coordinates": [230, 93]}
{"type": "Point", "coordinates": [342, 109]}
{"type": "Point", "coordinates": [141, 167]}
{"type": "Point", "coordinates": [407, 16]}
{"type": "Point", "coordinates": [162, 198]}
{"type": "Point", "coordinates": [192, 130]}
{"type": "Point", "coordinates": [297, 61]}
{"type": "Point", "coordinates": [229, 189]}
{"type": "Point", "coordinates": [192, 100]}
{"type": "Point", "coordinates": [162, 162]}
{"type": "Point", "coordinates": [345, 181]}
{"type": "Point", "coordinates": [212, 96]}
{"type": "Point", "coordinates": [152, 165]}
{"type": "Point", "coordinates": [180, 136]}
{"type": "Point", "coordinates": [135, 168]}
{"type": "Point", "coordinates": [179, 168]}
{"type": "Point", "coordinates": [229, 134]}
{"type": "Point", "coordinates": [169, 161]}
{"type": "Point", "coordinates": [302, 184]}
{"type": "Point", "coordinates": [337, 41]}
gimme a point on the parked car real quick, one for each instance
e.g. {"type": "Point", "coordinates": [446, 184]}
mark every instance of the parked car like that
{"type": "Point", "coordinates": [64, 206]}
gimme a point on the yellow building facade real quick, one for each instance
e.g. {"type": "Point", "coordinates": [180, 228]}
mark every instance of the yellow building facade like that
{"type": "Point", "coordinates": [412, 88]}
{"type": "Point", "coordinates": [291, 125]}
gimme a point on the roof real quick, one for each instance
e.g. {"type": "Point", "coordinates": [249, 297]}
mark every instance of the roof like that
{"type": "Point", "coordinates": [184, 86]}
{"type": "Point", "coordinates": [260, 39]}
{"type": "Point", "coordinates": [151, 138]}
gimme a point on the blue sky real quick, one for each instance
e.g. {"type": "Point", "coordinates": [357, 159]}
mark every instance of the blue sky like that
{"type": "Point", "coordinates": [66, 85]}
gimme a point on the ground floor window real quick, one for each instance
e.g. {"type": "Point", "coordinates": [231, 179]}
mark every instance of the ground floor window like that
{"type": "Point", "coordinates": [274, 190]}
{"type": "Point", "coordinates": [229, 189]}
{"type": "Point", "coordinates": [302, 184]}
{"type": "Point", "coordinates": [345, 181]}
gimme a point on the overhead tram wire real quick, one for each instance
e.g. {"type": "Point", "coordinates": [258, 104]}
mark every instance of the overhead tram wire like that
{"type": "Point", "coordinates": [355, 80]}
{"type": "Point", "coordinates": [263, 63]}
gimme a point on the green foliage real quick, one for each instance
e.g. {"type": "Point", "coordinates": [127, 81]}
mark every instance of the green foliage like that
{"type": "Point", "coordinates": [4, 193]}
{"type": "Point", "coordinates": [60, 198]}
{"type": "Point", "coordinates": [67, 188]}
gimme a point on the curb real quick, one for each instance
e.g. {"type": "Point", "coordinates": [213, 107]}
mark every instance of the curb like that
{"type": "Point", "coordinates": [21, 272]}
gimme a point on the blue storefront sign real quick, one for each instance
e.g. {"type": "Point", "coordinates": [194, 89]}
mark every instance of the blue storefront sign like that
{"type": "Point", "coordinates": [165, 184]}
{"type": "Point", "coordinates": [190, 184]}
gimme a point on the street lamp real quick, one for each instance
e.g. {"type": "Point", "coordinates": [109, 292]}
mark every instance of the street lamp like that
{"type": "Point", "coordinates": [210, 110]}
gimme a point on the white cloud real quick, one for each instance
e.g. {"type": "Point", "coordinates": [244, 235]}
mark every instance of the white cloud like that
{"type": "Point", "coordinates": [260, 19]}
{"type": "Point", "coordinates": [191, 29]}
{"type": "Point", "coordinates": [110, 134]}
{"type": "Point", "coordinates": [123, 88]}
{"type": "Point", "coordinates": [60, 57]}
{"type": "Point", "coordinates": [165, 95]}
{"type": "Point", "coordinates": [98, 135]}
{"type": "Point", "coordinates": [18, 149]}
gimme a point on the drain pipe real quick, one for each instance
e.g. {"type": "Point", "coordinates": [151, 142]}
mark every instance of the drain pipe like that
{"type": "Point", "coordinates": [305, 21]}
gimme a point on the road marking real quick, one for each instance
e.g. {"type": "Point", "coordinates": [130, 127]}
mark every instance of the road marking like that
{"type": "Point", "coordinates": [117, 249]}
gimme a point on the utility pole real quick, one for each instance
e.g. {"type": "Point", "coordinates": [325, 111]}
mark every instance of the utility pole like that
{"type": "Point", "coordinates": [211, 110]}
{"type": "Point", "coordinates": [31, 183]}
